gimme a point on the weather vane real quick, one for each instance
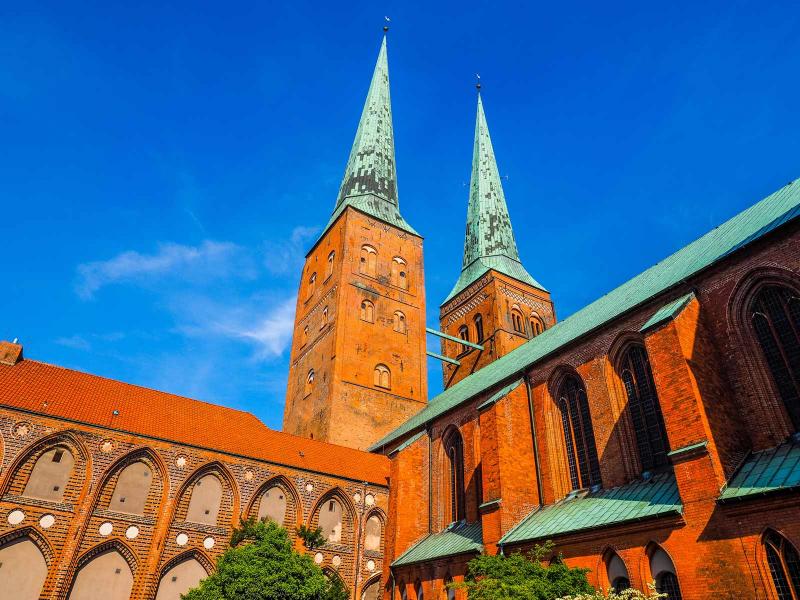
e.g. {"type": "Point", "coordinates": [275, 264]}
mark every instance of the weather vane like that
{"type": "Point", "coordinates": [386, 26]}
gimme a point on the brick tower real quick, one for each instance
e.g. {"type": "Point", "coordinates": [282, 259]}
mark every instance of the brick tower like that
{"type": "Point", "coordinates": [495, 302]}
{"type": "Point", "coordinates": [358, 367]}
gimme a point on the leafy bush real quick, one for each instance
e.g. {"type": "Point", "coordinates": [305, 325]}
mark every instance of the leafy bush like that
{"type": "Point", "coordinates": [629, 594]}
{"type": "Point", "coordinates": [261, 564]}
{"type": "Point", "coordinates": [312, 538]}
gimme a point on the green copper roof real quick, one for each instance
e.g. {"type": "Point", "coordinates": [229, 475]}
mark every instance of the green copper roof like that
{"type": "Point", "coordinates": [667, 312]}
{"type": "Point", "coordinates": [766, 472]}
{"type": "Point", "coordinates": [489, 242]}
{"type": "Point", "coordinates": [743, 229]}
{"type": "Point", "coordinates": [656, 497]}
{"type": "Point", "coordinates": [370, 178]}
{"type": "Point", "coordinates": [459, 538]}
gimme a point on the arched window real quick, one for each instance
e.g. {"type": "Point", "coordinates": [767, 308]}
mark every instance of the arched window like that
{"type": "Point", "coordinates": [645, 410]}
{"type": "Point", "coordinates": [23, 569]}
{"type": "Point", "coordinates": [663, 573]}
{"type": "Point", "coordinates": [383, 377]}
{"type": "Point", "coordinates": [372, 591]}
{"type": "Point", "coordinates": [324, 320]}
{"type": "Point", "coordinates": [453, 476]}
{"type": "Point", "coordinates": [305, 335]}
{"type": "Point", "coordinates": [133, 485]}
{"type": "Point", "coordinates": [312, 284]}
{"type": "Point", "coordinates": [329, 268]}
{"type": "Point", "coordinates": [537, 325]}
{"type": "Point", "coordinates": [400, 325]}
{"type": "Point", "coordinates": [399, 273]}
{"type": "Point", "coordinates": [418, 591]}
{"type": "Point", "coordinates": [775, 313]}
{"type": "Point", "coordinates": [367, 311]}
{"type": "Point", "coordinates": [517, 321]}
{"type": "Point", "coordinates": [205, 501]}
{"type": "Point", "coordinates": [309, 387]}
{"type": "Point", "coordinates": [784, 565]}
{"type": "Point", "coordinates": [478, 328]}
{"type": "Point", "coordinates": [273, 505]}
{"type": "Point", "coordinates": [617, 572]}
{"type": "Point", "coordinates": [50, 475]}
{"type": "Point", "coordinates": [372, 535]}
{"type": "Point", "coordinates": [584, 468]}
{"type": "Point", "coordinates": [463, 333]}
{"type": "Point", "coordinates": [368, 264]}
{"type": "Point", "coordinates": [107, 571]}
{"type": "Point", "coordinates": [403, 592]}
{"type": "Point", "coordinates": [330, 520]}
{"type": "Point", "coordinates": [181, 578]}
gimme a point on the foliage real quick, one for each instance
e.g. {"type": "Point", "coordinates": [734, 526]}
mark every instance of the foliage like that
{"type": "Point", "coordinates": [312, 538]}
{"type": "Point", "coordinates": [261, 564]}
{"type": "Point", "coordinates": [519, 577]}
{"type": "Point", "coordinates": [629, 594]}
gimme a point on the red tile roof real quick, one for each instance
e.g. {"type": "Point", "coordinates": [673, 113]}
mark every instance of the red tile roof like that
{"type": "Point", "coordinates": [63, 393]}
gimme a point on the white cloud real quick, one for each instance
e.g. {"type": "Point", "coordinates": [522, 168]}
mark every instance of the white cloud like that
{"type": "Point", "coordinates": [286, 258]}
{"type": "Point", "coordinates": [209, 260]}
{"type": "Point", "coordinates": [76, 342]}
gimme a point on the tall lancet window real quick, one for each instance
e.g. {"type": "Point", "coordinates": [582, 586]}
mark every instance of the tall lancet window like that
{"type": "Point", "coordinates": [453, 476]}
{"type": "Point", "coordinates": [584, 468]}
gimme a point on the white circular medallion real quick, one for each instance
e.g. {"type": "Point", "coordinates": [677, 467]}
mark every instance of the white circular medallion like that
{"type": "Point", "coordinates": [181, 462]}
{"type": "Point", "coordinates": [309, 487]}
{"type": "Point", "coordinates": [15, 517]}
{"type": "Point", "coordinates": [106, 529]}
{"type": "Point", "coordinates": [131, 532]}
{"type": "Point", "coordinates": [357, 498]}
{"type": "Point", "coordinates": [248, 475]}
{"type": "Point", "coordinates": [107, 446]}
{"type": "Point", "coordinates": [182, 539]}
{"type": "Point", "coordinates": [370, 565]}
{"type": "Point", "coordinates": [22, 430]}
{"type": "Point", "coordinates": [369, 499]}
{"type": "Point", "coordinates": [208, 543]}
{"type": "Point", "coordinates": [47, 521]}
{"type": "Point", "coordinates": [337, 560]}
{"type": "Point", "coordinates": [318, 558]}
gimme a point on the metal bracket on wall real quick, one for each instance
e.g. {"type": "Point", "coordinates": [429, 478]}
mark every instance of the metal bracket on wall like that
{"type": "Point", "coordinates": [442, 334]}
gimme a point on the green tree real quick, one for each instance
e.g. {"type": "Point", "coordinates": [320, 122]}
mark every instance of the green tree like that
{"type": "Point", "coordinates": [262, 565]}
{"type": "Point", "coordinates": [312, 538]}
{"type": "Point", "coordinates": [519, 577]}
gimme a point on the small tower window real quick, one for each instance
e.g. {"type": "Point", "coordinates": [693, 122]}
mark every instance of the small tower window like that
{"type": "Point", "coordinates": [305, 335]}
{"type": "Point", "coordinates": [517, 321]}
{"type": "Point", "coordinates": [368, 264]}
{"type": "Point", "coordinates": [324, 320]}
{"type": "Point", "coordinates": [383, 377]}
{"type": "Point", "coordinates": [537, 325]}
{"type": "Point", "coordinates": [309, 383]}
{"type": "Point", "coordinates": [367, 311]}
{"type": "Point", "coordinates": [400, 322]}
{"type": "Point", "coordinates": [399, 273]}
{"type": "Point", "coordinates": [329, 268]}
{"type": "Point", "coordinates": [463, 333]}
{"type": "Point", "coordinates": [312, 283]}
{"type": "Point", "coordinates": [478, 328]}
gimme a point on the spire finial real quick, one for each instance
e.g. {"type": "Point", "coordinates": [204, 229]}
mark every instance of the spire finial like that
{"type": "Point", "coordinates": [386, 20]}
{"type": "Point", "coordinates": [478, 82]}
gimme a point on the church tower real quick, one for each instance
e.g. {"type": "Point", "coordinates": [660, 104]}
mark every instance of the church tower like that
{"type": "Point", "coordinates": [357, 368]}
{"type": "Point", "coordinates": [495, 302]}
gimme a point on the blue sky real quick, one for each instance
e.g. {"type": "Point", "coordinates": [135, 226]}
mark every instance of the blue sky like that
{"type": "Point", "coordinates": [165, 167]}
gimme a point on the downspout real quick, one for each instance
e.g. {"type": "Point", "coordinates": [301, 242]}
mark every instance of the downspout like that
{"type": "Point", "coordinates": [535, 439]}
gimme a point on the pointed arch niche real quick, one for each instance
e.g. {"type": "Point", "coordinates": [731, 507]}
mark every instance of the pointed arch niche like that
{"type": "Point", "coordinates": [182, 574]}
{"type": "Point", "coordinates": [109, 567]}
{"type": "Point", "coordinates": [24, 566]}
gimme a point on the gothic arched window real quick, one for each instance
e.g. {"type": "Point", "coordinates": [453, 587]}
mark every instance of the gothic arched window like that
{"type": "Point", "coordinates": [312, 284]}
{"type": "Point", "coordinates": [383, 377]}
{"type": "Point", "coordinates": [329, 268]}
{"type": "Point", "coordinates": [305, 335]}
{"type": "Point", "coordinates": [400, 325]}
{"type": "Point", "coordinates": [50, 475]}
{"type": "Point", "coordinates": [367, 311]}
{"type": "Point", "coordinates": [133, 486]}
{"type": "Point", "coordinates": [478, 320]}
{"type": "Point", "coordinates": [584, 468]}
{"type": "Point", "coordinates": [205, 501]}
{"type": "Point", "coordinates": [399, 273]}
{"type": "Point", "coordinates": [517, 321]}
{"type": "Point", "coordinates": [372, 534]}
{"type": "Point", "coordinates": [309, 383]}
{"type": "Point", "coordinates": [330, 520]}
{"type": "Point", "coordinates": [645, 410]}
{"type": "Point", "coordinates": [784, 565]}
{"type": "Point", "coordinates": [617, 572]}
{"type": "Point", "coordinates": [324, 320]}
{"type": "Point", "coordinates": [775, 313]}
{"type": "Point", "coordinates": [273, 505]}
{"type": "Point", "coordinates": [463, 333]}
{"type": "Point", "coordinates": [663, 573]}
{"type": "Point", "coordinates": [537, 325]}
{"type": "Point", "coordinates": [453, 475]}
{"type": "Point", "coordinates": [368, 264]}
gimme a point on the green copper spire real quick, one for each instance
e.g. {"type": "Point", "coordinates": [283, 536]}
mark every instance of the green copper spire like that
{"type": "Point", "coordinates": [489, 241]}
{"type": "Point", "coordinates": [370, 180]}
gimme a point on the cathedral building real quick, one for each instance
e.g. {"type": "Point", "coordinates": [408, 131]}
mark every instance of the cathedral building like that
{"type": "Point", "coordinates": [651, 436]}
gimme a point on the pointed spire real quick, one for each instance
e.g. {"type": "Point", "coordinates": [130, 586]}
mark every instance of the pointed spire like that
{"type": "Point", "coordinates": [370, 181]}
{"type": "Point", "coordinates": [489, 241]}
